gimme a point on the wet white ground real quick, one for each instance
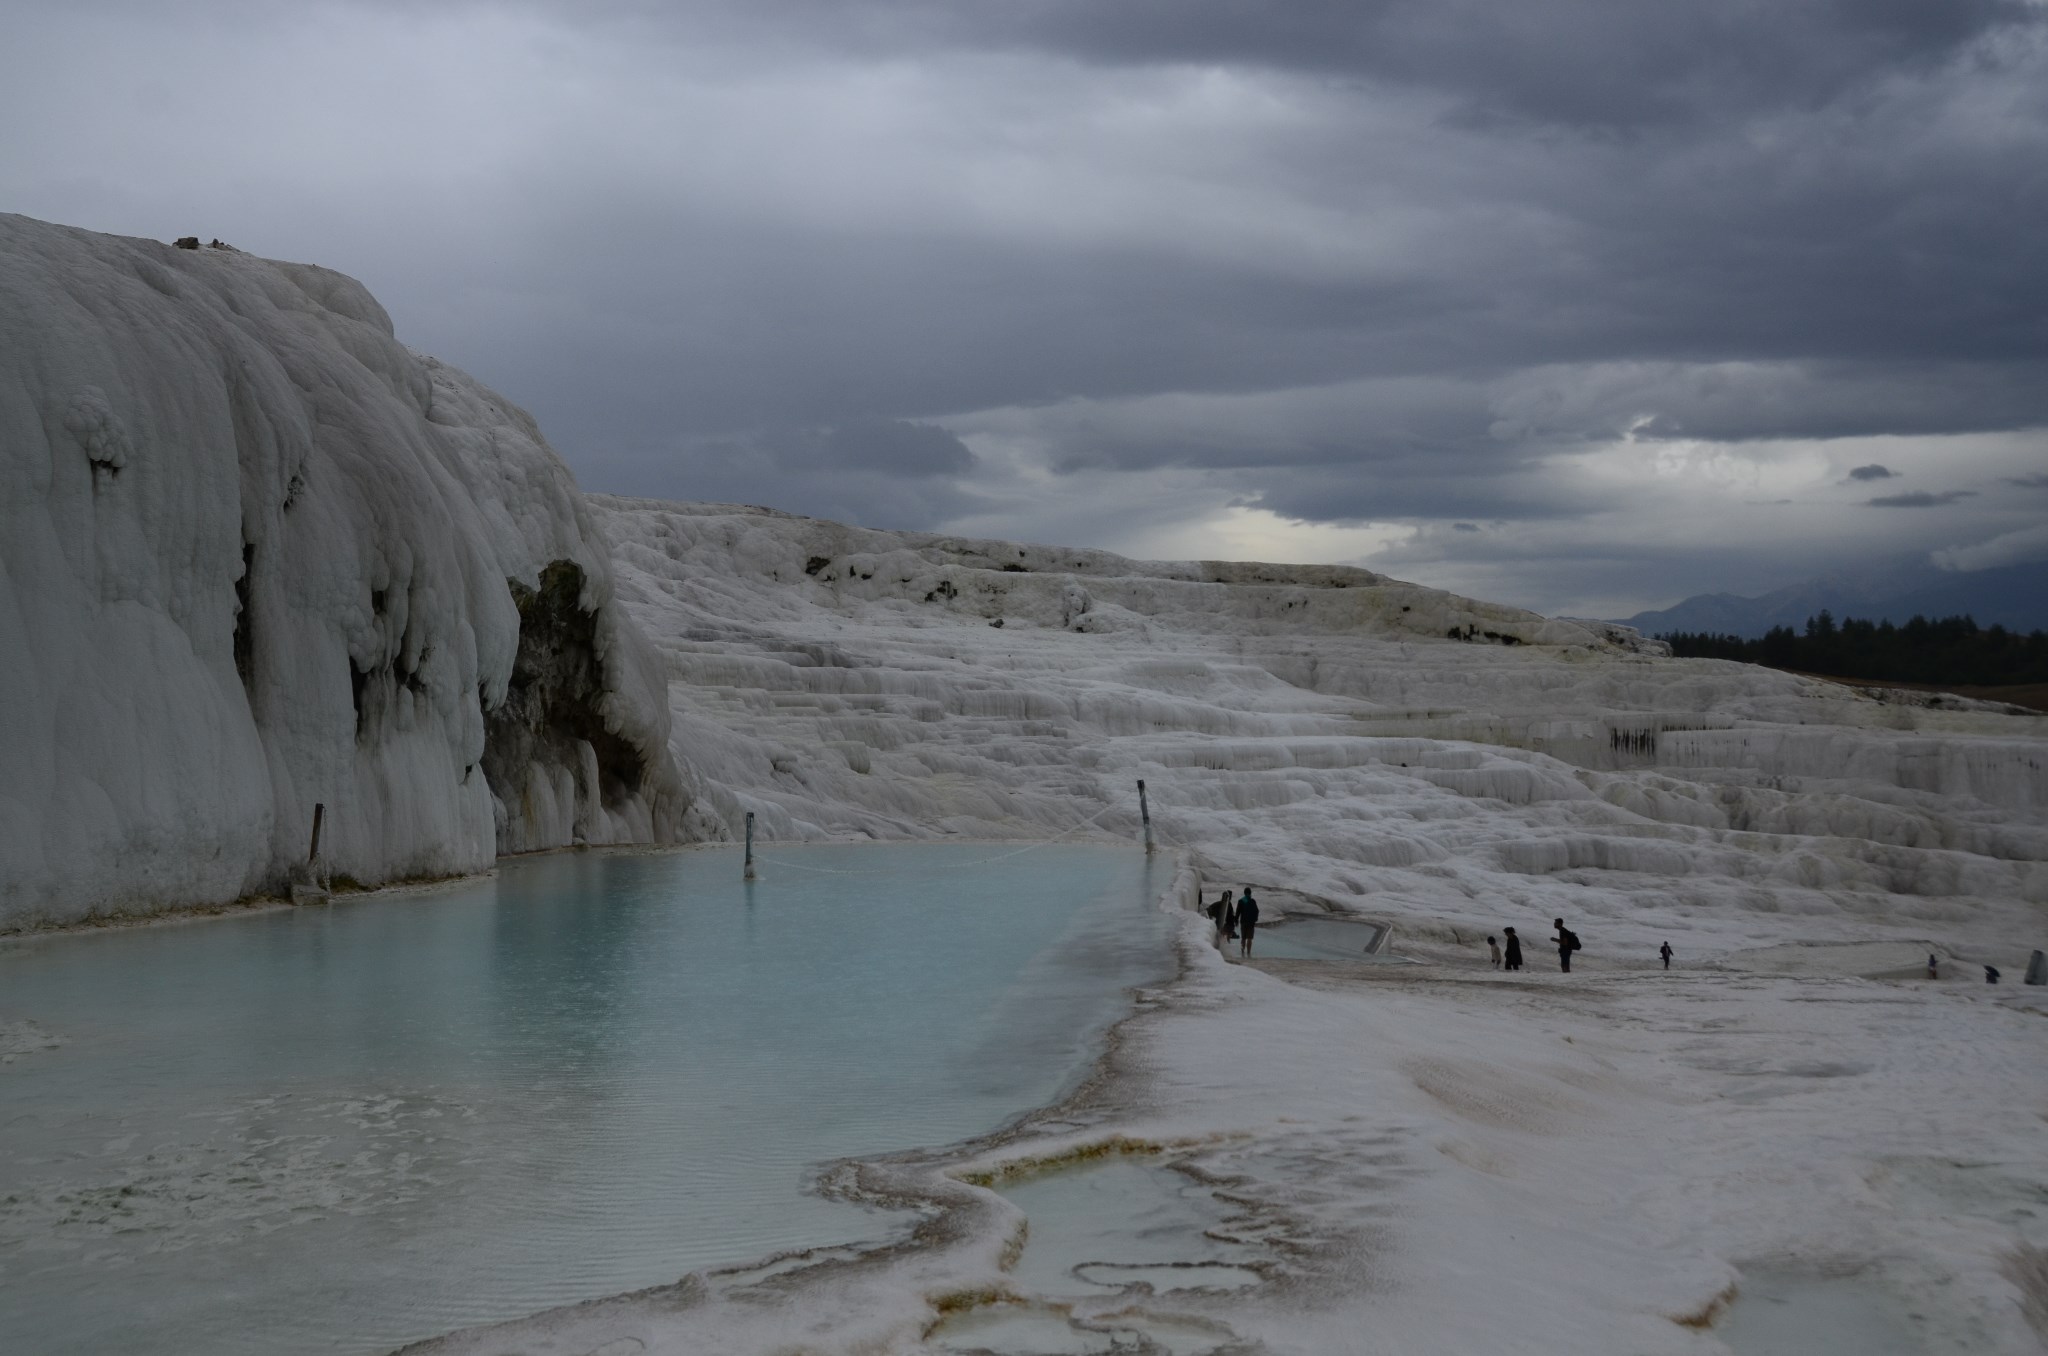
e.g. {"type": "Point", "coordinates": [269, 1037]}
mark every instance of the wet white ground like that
{"type": "Point", "coordinates": [1438, 1158]}
{"type": "Point", "coordinates": [1422, 1155]}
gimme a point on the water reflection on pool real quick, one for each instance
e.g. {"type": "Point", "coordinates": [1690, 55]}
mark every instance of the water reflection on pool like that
{"type": "Point", "coordinates": [337, 1129]}
{"type": "Point", "coordinates": [1299, 937]}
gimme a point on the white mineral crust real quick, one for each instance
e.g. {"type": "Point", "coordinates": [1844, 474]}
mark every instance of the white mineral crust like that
{"type": "Point", "coordinates": [1443, 1159]}
{"type": "Point", "coordinates": [254, 556]}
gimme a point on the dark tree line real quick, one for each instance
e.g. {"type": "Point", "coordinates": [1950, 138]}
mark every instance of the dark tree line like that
{"type": "Point", "coordinates": [1952, 650]}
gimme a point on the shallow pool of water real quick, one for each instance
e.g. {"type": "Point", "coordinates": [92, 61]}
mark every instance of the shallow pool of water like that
{"type": "Point", "coordinates": [1299, 937]}
{"type": "Point", "coordinates": [1783, 1314]}
{"type": "Point", "coordinates": [339, 1128]}
{"type": "Point", "coordinates": [1113, 1249]}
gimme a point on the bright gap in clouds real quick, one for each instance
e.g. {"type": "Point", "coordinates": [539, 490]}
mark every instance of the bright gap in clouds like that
{"type": "Point", "coordinates": [1668, 519]}
{"type": "Point", "coordinates": [1642, 523]}
{"type": "Point", "coordinates": [1241, 532]}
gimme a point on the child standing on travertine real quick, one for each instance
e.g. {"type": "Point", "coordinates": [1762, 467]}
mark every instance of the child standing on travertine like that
{"type": "Point", "coordinates": [1493, 952]}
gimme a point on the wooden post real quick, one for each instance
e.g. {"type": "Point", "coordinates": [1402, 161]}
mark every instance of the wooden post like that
{"type": "Point", "coordinates": [1145, 813]}
{"type": "Point", "coordinates": [307, 881]}
{"type": "Point", "coordinates": [750, 847]}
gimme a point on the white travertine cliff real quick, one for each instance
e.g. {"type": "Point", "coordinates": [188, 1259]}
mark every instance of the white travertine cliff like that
{"type": "Point", "coordinates": [256, 555]}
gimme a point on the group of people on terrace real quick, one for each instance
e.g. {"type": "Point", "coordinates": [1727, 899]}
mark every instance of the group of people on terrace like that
{"type": "Point", "coordinates": [1236, 920]}
{"type": "Point", "coordinates": [1566, 940]}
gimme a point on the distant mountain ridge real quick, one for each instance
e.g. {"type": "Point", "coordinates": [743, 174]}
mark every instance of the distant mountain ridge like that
{"type": "Point", "coordinates": [2012, 596]}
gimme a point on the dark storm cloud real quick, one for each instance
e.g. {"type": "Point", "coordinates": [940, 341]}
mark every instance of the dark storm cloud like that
{"type": "Point", "coordinates": [898, 446]}
{"type": "Point", "coordinates": [1851, 272]}
{"type": "Point", "coordinates": [1581, 62]}
{"type": "Point", "coordinates": [885, 473]}
{"type": "Point", "coordinates": [1921, 499]}
{"type": "Point", "coordinates": [2035, 482]}
{"type": "Point", "coordinates": [1874, 471]}
{"type": "Point", "coordinates": [787, 324]}
{"type": "Point", "coordinates": [1384, 259]}
{"type": "Point", "coordinates": [1748, 401]}
{"type": "Point", "coordinates": [886, 446]}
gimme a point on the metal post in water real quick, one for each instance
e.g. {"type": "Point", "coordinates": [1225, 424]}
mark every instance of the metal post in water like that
{"type": "Point", "coordinates": [319, 815]}
{"type": "Point", "coordinates": [750, 847]}
{"type": "Point", "coordinates": [1145, 813]}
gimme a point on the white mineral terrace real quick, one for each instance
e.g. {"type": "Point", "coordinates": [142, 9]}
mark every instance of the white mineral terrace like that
{"type": "Point", "coordinates": [1433, 1157]}
{"type": "Point", "coordinates": [1414, 1154]}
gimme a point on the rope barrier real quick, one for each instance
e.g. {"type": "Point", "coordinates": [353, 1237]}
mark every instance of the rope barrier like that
{"type": "Point", "coordinates": [955, 866]}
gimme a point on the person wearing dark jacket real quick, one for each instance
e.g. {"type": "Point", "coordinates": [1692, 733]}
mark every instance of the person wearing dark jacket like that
{"type": "Point", "coordinates": [1220, 914]}
{"type": "Point", "coordinates": [1567, 942]}
{"type": "Point", "coordinates": [1247, 919]}
{"type": "Point", "coordinates": [1514, 950]}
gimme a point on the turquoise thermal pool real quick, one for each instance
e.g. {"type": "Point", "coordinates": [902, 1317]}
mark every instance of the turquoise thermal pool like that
{"type": "Point", "coordinates": [341, 1128]}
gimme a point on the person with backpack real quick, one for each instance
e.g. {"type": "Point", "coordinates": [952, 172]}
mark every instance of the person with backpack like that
{"type": "Point", "coordinates": [1567, 942]}
{"type": "Point", "coordinates": [1221, 915]}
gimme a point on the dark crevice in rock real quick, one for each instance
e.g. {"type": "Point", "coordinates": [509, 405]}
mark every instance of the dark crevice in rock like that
{"type": "Point", "coordinates": [245, 639]}
{"type": "Point", "coordinates": [358, 684]}
{"type": "Point", "coordinates": [552, 701]}
{"type": "Point", "coordinates": [413, 679]}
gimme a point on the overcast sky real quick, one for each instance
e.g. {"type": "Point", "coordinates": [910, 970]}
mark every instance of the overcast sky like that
{"type": "Point", "coordinates": [1585, 305]}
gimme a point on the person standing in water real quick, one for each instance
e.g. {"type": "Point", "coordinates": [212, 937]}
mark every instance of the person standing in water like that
{"type": "Point", "coordinates": [1567, 942]}
{"type": "Point", "coordinates": [1665, 952]}
{"type": "Point", "coordinates": [1514, 954]}
{"type": "Point", "coordinates": [1493, 952]}
{"type": "Point", "coordinates": [1247, 919]}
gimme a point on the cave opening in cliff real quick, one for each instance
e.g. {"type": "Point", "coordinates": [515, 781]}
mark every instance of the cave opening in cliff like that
{"type": "Point", "coordinates": [552, 703]}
